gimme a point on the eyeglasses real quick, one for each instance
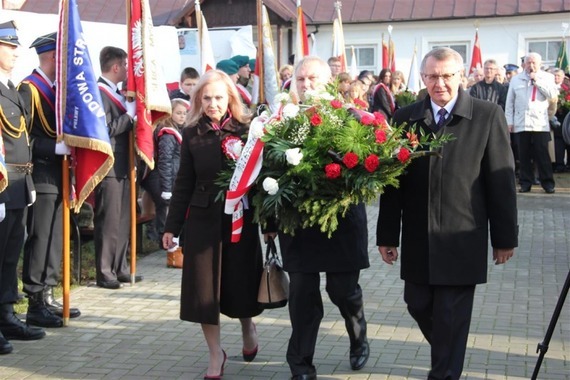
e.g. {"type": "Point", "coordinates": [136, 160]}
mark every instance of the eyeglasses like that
{"type": "Point", "coordinates": [432, 78]}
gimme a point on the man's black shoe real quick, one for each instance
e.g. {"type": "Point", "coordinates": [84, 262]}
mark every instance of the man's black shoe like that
{"type": "Point", "coordinates": [38, 314]}
{"type": "Point", "coordinates": [359, 356]}
{"type": "Point", "coordinates": [113, 284]}
{"type": "Point", "coordinates": [550, 190]}
{"type": "Point", "coordinates": [13, 329]}
{"type": "Point", "coordinates": [56, 307]}
{"type": "Point", "coordinates": [127, 278]}
{"type": "Point", "coordinates": [524, 189]}
{"type": "Point", "coordinates": [305, 376]}
{"type": "Point", "coordinates": [5, 346]}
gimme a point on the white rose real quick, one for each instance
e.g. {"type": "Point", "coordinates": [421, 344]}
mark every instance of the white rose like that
{"type": "Point", "coordinates": [325, 96]}
{"type": "Point", "coordinates": [256, 128]}
{"type": "Point", "coordinates": [270, 185]}
{"type": "Point", "coordinates": [290, 110]}
{"type": "Point", "coordinates": [294, 156]}
{"type": "Point", "coordinates": [309, 94]}
{"type": "Point", "coordinates": [282, 97]}
{"type": "Point", "coordinates": [319, 93]}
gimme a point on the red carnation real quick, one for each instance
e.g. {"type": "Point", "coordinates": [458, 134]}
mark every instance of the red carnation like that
{"type": "Point", "coordinates": [371, 163]}
{"type": "Point", "coordinates": [336, 103]}
{"type": "Point", "coordinates": [316, 119]}
{"type": "Point", "coordinates": [332, 170]}
{"type": "Point", "coordinates": [403, 155]}
{"type": "Point", "coordinates": [568, 97]}
{"type": "Point", "coordinates": [367, 119]}
{"type": "Point", "coordinates": [360, 103]}
{"type": "Point", "coordinates": [380, 136]}
{"type": "Point", "coordinates": [379, 119]}
{"type": "Point", "coordinates": [350, 160]}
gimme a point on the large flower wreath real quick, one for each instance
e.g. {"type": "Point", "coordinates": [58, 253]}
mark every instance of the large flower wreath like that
{"type": "Point", "coordinates": [318, 159]}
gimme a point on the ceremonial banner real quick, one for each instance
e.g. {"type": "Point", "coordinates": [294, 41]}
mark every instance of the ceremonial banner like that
{"type": "Point", "coordinates": [207, 61]}
{"type": "Point", "coordinates": [385, 54]}
{"type": "Point", "coordinates": [338, 39]}
{"type": "Point", "coordinates": [145, 83]}
{"type": "Point", "coordinates": [562, 59]}
{"type": "Point", "coordinates": [353, 67]}
{"type": "Point", "coordinates": [3, 175]}
{"type": "Point", "coordinates": [80, 115]}
{"type": "Point", "coordinates": [270, 84]}
{"type": "Point", "coordinates": [476, 61]}
{"type": "Point", "coordinates": [301, 41]}
{"type": "Point", "coordinates": [255, 93]}
{"type": "Point", "coordinates": [391, 51]}
{"type": "Point", "coordinates": [414, 84]}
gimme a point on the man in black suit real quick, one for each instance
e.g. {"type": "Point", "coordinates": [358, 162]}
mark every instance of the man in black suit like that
{"type": "Point", "coordinates": [44, 246]}
{"type": "Point", "coordinates": [112, 196]}
{"type": "Point", "coordinates": [20, 193]}
{"type": "Point", "coordinates": [310, 252]}
{"type": "Point", "coordinates": [445, 208]}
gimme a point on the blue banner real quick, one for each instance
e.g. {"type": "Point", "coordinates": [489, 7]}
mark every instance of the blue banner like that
{"type": "Point", "coordinates": [79, 109]}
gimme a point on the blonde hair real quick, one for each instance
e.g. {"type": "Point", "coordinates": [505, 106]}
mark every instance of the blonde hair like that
{"type": "Point", "coordinates": [235, 105]}
{"type": "Point", "coordinates": [286, 67]}
{"type": "Point", "coordinates": [400, 75]}
{"type": "Point", "coordinates": [356, 85]}
{"type": "Point", "coordinates": [168, 122]}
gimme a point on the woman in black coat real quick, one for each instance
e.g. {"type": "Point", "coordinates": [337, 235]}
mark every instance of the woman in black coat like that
{"type": "Point", "coordinates": [218, 276]}
{"type": "Point", "coordinates": [383, 99]}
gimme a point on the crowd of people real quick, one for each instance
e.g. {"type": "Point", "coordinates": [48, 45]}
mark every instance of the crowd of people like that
{"type": "Point", "coordinates": [497, 119]}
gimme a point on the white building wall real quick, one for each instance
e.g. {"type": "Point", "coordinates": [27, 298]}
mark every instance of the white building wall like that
{"type": "Point", "coordinates": [503, 39]}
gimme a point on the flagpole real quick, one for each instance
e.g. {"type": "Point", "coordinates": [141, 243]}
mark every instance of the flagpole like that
{"type": "Point", "coordinates": [66, 236]}
{"type": "Point", "coordinates": [340, 42]}
{"type": "Point", "coordinates": [260, 52]}
{"type": "Point", "coordinates": [132, 171]}
{"type": "Point", "coordinates": [198, 13]}
{"type": "Point", "coordinates": [65, 217]}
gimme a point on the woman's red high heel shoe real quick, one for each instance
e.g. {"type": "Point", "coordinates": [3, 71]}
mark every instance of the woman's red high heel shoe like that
{"type": "Point", "coordinates": [216, 377]}
{"type": "Point", "coordinates": [248, 356]}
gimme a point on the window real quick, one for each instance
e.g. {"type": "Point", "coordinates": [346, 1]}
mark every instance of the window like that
{"type": "Point", "coordinates": [460, 47]}
{"type": "Point", "coordinates": [548, 50]}
{"type": "Point", "coordinates": [365, 56]}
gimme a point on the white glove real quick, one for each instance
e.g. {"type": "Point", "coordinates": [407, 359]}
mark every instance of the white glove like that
{"type": "Point", "coordinates": [166, 195]}
{"type": "Point", "coordinates": [62, 149]}
{"type": "Point", "coordinates": [2, 211]}
{"type": "Point", "coordinates": [175, 240]}
{"type": "Point", "coordinates": [131, 109]}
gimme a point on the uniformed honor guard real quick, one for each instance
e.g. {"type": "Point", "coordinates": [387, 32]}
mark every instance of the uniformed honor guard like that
{"type": "Point", "coordinates": [44, 246]}
{"type": "Point", "coordinates": [19, 194]}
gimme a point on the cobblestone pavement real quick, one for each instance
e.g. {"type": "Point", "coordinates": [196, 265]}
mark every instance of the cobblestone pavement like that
{"type": "Point", "coordinates": [135, 333]}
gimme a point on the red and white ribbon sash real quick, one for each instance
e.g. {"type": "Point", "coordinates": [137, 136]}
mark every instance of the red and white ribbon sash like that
{"type": "Point", "coordinates": [246, 172]}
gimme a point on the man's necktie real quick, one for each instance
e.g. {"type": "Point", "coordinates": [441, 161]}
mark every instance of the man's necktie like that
{"type": "Point", "coordinates": [11, 85]}
{"type": "Point", "coordinates": [442, 114]}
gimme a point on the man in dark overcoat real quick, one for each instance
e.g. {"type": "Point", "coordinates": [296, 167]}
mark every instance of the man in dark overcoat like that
{"type": "Point", "coordinates": [445, 208]}
{"type": "Point", "coordinates": [341, 257]}
{"type": "Point", "coordinates": [112, 196]}
{"type": "Point", "coordinates": [44, 245]}
{"type": "Point", "coordinates": [20, 193]}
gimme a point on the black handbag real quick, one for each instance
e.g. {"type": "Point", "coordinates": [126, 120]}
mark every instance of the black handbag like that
{"type": "Point", "coordinates": [274, 285]}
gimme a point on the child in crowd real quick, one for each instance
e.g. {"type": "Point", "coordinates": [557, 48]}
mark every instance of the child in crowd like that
{"type": "Point", "coordinates": [188, 79]}
{"type": "Point", "coordinates": [168, 139]}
